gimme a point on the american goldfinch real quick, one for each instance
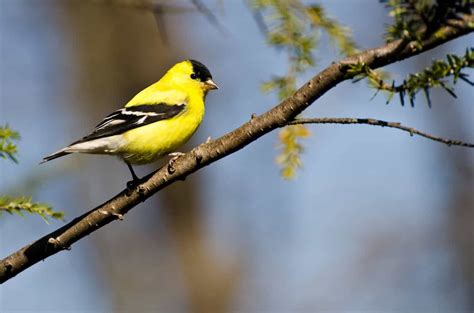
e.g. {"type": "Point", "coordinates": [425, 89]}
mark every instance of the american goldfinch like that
{"type": "Point", "coordinates": [155, 122]}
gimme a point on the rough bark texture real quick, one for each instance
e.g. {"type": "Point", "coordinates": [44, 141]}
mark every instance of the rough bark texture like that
{"type": "Point", "coordinates": [208, 153]}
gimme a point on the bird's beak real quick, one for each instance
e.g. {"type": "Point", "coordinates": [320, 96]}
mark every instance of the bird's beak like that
{"type": "Point", "coordinates": [210, 84]}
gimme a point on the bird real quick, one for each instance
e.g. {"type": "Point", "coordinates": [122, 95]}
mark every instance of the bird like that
{"type": "Point", "coordinates": [154, 123]}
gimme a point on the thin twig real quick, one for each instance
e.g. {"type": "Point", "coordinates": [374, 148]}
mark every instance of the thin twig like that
{"type": "Point", "coordinates": [158, 15]}
{"type": "Point", "coordinates": [258, 17]}
{"type": "Point", "coordinates": [375, 122]}
{"type": "Point", "coordinates": [145, 5]}
{"type": "Point", "coordinates": [201, 7]}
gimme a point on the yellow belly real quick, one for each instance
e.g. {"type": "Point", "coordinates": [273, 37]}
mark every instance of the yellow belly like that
{"type": "Point", "coordinates": [148, 143]}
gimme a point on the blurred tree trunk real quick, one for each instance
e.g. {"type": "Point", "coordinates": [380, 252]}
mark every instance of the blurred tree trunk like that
{"type": "Point", "coordinates": [209, 281]}
{"type": "Point", "coordinates": [461, 219]}
{"type": "Point", "coordinates": [460, 210]}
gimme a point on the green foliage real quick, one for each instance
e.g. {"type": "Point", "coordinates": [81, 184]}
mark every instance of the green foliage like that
{"type": "Point", "coordinates": [338, 34]}
{"type": "Point", "coordinates": [21, 205]}
{"type": "Point", "coordinates": [433, 76]}
{"type": "Point", "coordinates": [291, 149]}
{"type": "Point", "coordinates": [293, 27]}
{"type": "Point", "coordinates": [418, 19]}
{"type": "Point", "coordinates": [284, 85]}
{"type": "Point", "coordinates": [8, 147]}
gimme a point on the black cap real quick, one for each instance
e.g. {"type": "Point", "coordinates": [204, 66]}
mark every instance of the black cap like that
{"type": "Point", "coordinates": [200, 70]}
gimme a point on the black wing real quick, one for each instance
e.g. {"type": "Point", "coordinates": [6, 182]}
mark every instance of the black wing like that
{"type": "Point", "coordinates": [132, 117]}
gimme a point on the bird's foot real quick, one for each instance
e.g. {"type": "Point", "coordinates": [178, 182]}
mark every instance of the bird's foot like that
{"type": "Point", "coordinates": [132, 184]}
{"type": "Point", "coordinates": [174, 156]}
{"type": "Point", "coordinates": [135, 184]}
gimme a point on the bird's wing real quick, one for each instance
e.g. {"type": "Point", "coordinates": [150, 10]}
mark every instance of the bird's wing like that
{"type": "Point", "coordinates": [132, 117]}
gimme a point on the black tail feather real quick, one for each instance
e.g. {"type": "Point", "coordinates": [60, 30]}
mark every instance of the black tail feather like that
{"type": "Point", "coordinates": [54, 156]}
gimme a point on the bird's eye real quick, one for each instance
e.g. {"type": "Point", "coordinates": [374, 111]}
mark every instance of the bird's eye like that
{"type": "Point", "coordinates": [193, 76]}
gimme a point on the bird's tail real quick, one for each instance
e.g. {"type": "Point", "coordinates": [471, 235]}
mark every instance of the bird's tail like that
{"type": "Point", "coordinates": [55, 155]}
{"type": "Point", "coordinates": [95, 146]}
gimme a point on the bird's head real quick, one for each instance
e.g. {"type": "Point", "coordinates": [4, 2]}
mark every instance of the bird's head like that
{"type": "Point", "coordinates": [192, 72]}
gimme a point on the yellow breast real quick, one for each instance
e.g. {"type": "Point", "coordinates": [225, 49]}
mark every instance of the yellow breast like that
{"type": "Point", "coordinates": [148, 143]}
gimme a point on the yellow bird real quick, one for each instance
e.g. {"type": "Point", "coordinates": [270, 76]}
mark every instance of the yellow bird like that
{"type": "Point", "coordinates": [156, 122]}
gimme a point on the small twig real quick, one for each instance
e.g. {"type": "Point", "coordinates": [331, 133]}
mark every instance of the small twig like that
{"type": "Point", "coordinates": [204, 10]}
{"type": "Point", "coordinates": [146, 5]}
{"type": "Point", "coordinates": [375, 122]}
{"type": "Point", "coordinates": [158, 14]}
{"type": "Point", "coordinates": [257, 16]}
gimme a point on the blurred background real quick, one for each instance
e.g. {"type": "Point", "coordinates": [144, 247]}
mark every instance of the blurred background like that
{"type": "Point", "coordinates": [376, 219]}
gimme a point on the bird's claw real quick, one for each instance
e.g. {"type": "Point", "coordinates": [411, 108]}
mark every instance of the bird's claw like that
{"type": "Point", "coordinates": [141, 192]}
{"type": "Point", "coordinates": [131, 185]}
{"type": "Point", "coordinates": [174, 156]}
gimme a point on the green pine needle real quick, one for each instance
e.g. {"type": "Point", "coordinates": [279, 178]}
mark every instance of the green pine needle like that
{"type": "Point", "coordinates": [434, 76]}
{"type": "Point", "coordinates": [8, 148]}
{"type": "Point", "coordinates": [294, 28]}
{"type": "Point", "coordinates": [418, 19]}
{"type": "Point", "coordinates": [23, 205]}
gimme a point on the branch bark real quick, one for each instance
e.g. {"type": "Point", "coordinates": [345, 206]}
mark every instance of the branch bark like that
{"type": "Point", "coordinates": [207, 153]}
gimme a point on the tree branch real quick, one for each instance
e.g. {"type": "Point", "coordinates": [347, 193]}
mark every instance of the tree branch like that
{"type": "Point", "coordinates": [375, 122]}
{"type": "Point", "coordinates": [208, 153]}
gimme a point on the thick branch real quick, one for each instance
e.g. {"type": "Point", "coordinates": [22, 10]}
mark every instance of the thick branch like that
{"type": "Point", "coordinates": [208, 153]}
{"type": "Point", "coordinates": [374, 122]}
